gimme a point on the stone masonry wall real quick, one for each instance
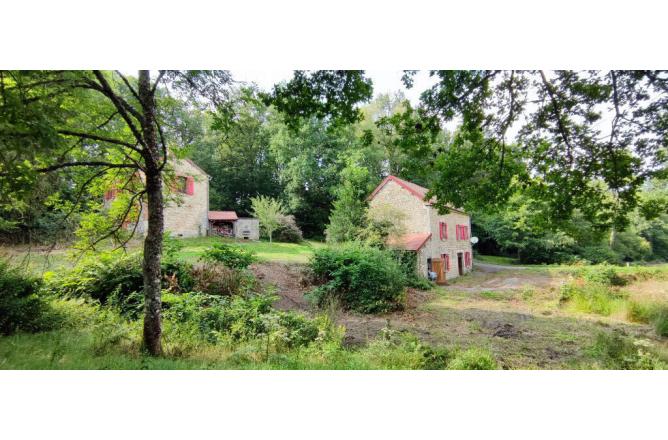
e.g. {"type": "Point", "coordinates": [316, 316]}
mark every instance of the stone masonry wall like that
{"type": "Point", "coordinates": [420, 217]}
{"type": "Point", "coordinates": [416, 213]}
{"type": "Point", "coordinates": [187, 215]}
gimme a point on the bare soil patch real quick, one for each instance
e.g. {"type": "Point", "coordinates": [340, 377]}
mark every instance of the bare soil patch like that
{"type": "Point", "coordinates": [288, 280]}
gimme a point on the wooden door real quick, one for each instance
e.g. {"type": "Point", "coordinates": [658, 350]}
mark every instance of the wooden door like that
{"type": "Point", "coordinates": [460, 263]}
{"type": "Point", "coordinates": [438, 267]}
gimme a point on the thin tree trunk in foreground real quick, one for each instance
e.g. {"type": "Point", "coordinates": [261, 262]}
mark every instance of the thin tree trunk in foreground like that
{"type": "Point", "coordinates": [153, 241]}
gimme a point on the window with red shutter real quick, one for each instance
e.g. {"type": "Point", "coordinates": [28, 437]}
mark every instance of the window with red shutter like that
{"type": "Point", "coordinates": [190, 185]}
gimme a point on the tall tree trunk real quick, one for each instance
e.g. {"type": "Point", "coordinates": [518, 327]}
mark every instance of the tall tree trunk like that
{"type": "Point", "coordinates": [153, 241]}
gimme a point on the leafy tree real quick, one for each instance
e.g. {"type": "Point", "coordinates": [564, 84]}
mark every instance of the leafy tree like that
{"type": "Point", "coordinates": [60, 120]}
{"type": "Point", "coordinates": [348, 216]}
{"type": "Point", "coordinates": [119, 127]}
{"type": "Point", "coordinates": [237, 155]}
{"type": "Point", "coordinates": [323, 94]}
{"type": "Point", "coordinates": [310, 165]}
{"type": "Point", "coordinates": [269, 211]}
{"type": "Point", "coordinates": [567, 142]}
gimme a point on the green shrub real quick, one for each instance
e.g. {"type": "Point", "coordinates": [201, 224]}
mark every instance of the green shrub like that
{"type": "Point", "coordinates": [649, 313]}
{"type": "Point", "coordinates": [603, 274]}
{"type": "Point", "coordinates": [218, 279]}
{"type": "Point", "coordinates": [231, 256]}
{"type": "Point", "coordinates": [287, 230]}
{"type": "Point", "coordinates": [592, 297]}
{"type": "Point", "coordinates": [240, 319]}
{"type": "Point", "coordinates": [597, 254]}
{"type": "Point", "coordinates": [618, 352]}
{"type": "Point", "coordinates": [170, 246]}
{"type": "Point", "coordinates": [474, 358]}
{"type": "Point", "coordinates": [661, 322]}
{"type": "Point", "coordinates": [21, 307]}
{"type": "Point", "coordinates": [359, 278]}
{"type": "Point", "coordinates": [117, 278]}
{"type": "Point", "coordinates": [408, 262]}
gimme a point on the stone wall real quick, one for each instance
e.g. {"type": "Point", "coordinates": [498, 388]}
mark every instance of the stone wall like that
{"type": "Point", "coordinates": [421, 217]}
{"type": "Point", "coordinates": [415, 213]}
{"type": "Point", "coordinates": [247, 228]}
{"type": "Point", "coordinates": [187, 215]}
{"type": "Point", "coordinates": [451, 246]}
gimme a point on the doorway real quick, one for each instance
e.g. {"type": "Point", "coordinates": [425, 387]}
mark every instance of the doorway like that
{"type": "Point", "coordinates": [460, 263]}
{"type": "Point", "coordinates": [438, 266]}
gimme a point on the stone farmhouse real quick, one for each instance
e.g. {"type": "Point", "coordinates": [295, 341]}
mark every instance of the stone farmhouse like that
{"type": "Point", "coordinates": [187, 208]}
{"type": "Point", "coordinates": [442, 242]}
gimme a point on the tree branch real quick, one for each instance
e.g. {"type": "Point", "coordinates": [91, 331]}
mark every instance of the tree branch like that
{"type": "Point", "coordinates": [84, 164]}
{"type": "Point", "coordinates": [122, 106]}
{"type": "Point", "coordinates": [557, 114]}
{"type": "Point", "coordinates": [96, 137]}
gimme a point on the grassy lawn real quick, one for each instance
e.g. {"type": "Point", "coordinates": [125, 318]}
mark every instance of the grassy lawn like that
{"type": "Point", "coordinates": [41, 260]}
{"type": "Point", "coordinates": [281, 252]}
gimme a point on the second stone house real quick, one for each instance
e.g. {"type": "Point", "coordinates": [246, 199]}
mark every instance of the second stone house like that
{"type": "Point", "coordinates": [441, 241]}
{"type": "Point", "coordinates": [186, 211]}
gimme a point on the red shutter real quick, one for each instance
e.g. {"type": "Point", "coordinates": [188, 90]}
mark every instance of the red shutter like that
{"type": "Point", "coordinates": [190, 185]}
{"type": "Point", "coordinates": [440, 230]}
{"type": "Point", "coordinates": [457, 231]}
{"type": "Point", "coordinates": [447, 262]}
{"type": "Point", "coordinates": [445, 230]}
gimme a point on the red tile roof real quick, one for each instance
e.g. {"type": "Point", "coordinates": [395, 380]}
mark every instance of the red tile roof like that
{"type": "Point", "coordinates": [410, 242]}
{"type": "Point", "coordinates": [223, 215]}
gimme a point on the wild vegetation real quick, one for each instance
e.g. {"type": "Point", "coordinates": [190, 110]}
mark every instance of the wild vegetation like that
{"type": "Point", "coordinates": [567, 189]}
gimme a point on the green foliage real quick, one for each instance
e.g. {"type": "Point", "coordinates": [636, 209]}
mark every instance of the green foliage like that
{"type": "Point", "coordinates": [649, 313]}
{"type": "Point", "coordinates": [288, 231]}
{"type": "Point", "coordinates": [408, 262]}
{"type": "Point", "coordinates": [269, 212]}
{"type": "Point", "coordinates": [619, 352]}
{"type": "Point", "coordinates": [234, 257]}
{"type": "Point", "coordinates": [560, 134]}
{"type": "Point", "coordinates": [348, 216]}
{"type": "Point", "coordinates": [475, 358]}
{"type": "Point", "coordinates": [322, 94]}
{"type": "Point", "coordinates": [592, 297]}
{"type": "Point", "coordinates": [240, 319]}
{"type": "Point", "coordinates": [603, 274]}
{"type": "Point", "coordinates": [218, 279]}
{"type": "Point", "coordinates": [170, 246]}
{"type": "Point", "coordinates": [359, 278]}
{"type": "Point", "coordinates": [115, 277]}
{"type": "Point", "coordinates": [22, 309]}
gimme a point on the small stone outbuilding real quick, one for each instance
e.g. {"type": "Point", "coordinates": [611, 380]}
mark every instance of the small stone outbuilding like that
{"type": "Point", "coordinates": [227, 224]}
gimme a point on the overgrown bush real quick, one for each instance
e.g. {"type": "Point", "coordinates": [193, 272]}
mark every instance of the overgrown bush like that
{"type": "Point", "coordinates": [592, 297]}
{"type": "Point", "coordinates": [408, 262]}
{"type": "Point", "coordinates": [605, 274]}
{"type": "Point", "coordinates": [359, 278]}
{"type": "Point", "coordinates": [287, 230]}
{"type": "Point", "coordinates": [113, 275]}
{"type": "Point", "coordinates": [239, 319]}
{"type": "Point", "coordinates": [474, 358]}
{"type": "Point", "coordinates": [218, 279]}
{"type": "Point", "coordinates": [618, 352]}
{"type": "Point", "coordinates": [21, 307]}
{"type": "Point", "coordinates": [650, 313]}
{"type": "Point", "coordinates": [231, 256]}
